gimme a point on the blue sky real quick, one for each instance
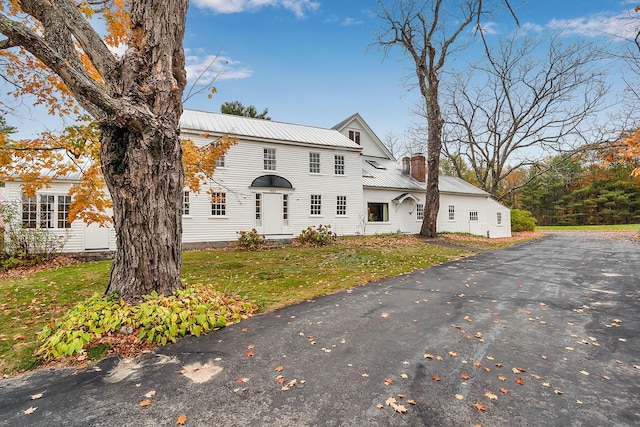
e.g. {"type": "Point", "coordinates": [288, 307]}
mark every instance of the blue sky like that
{"type": "Point", "coordinates": [309, 61]}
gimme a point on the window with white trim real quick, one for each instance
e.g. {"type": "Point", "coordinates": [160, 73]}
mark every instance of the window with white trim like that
{"type": "Point", "coordinates": [499, 218]}
{"type": "Point", "coordinates": [285, 209]}
{"type": "Point", "coordinates": [314, 162]}
{"type": "Point", "coordinates": [258, 209]}
{"type": "Point", "coordinates": [378, 212]}
{"type": "Point", "coordinates": [220, 161]}
{"type": "Point", "coordinates": [419, 212]}
{"type": "Point", "coordinates": [339, 164]}
{"type": "Point", "coordinates": [186, 205]}
{"type": "Point", "coordinates": [341, 205]}
{"type": "Point", "coordinates": [452, 213]}
{"type": "Point", "coordinates": [64, 202]}
{"type": "Point", "coordinates": [219, 204]}
{"type": "Point", "coordinates": [354, 135]}
{"type": "Point", "coordinates": [316, 204]}
{"type": "Point", "coordinates": [270, 159]}
{"type": "Point", "coordinates": [46, 211]}
{"type": "Point", "coordinates": [473, 216]}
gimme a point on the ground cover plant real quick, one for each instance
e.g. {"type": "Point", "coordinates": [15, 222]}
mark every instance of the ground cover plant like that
{"type": "Point", "coordinates": [270, 278]}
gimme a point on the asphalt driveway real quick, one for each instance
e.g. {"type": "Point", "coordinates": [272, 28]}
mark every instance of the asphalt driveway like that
{"type": "Point", "coordinates": [546, 333]}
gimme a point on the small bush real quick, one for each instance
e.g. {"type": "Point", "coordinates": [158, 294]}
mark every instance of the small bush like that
{"type": "Point", "coordinates": [321, 236]}
{"type": "Point", "coordinates": [251, 240]}
{"type": "Point", "coordinates": [522, 220]}
{"type": "Point", "coordinates": [8, 262]}
{"type": "Point", "coordinates": [159, 319]}
{"type": "Point", "coordinates": [30, 246]}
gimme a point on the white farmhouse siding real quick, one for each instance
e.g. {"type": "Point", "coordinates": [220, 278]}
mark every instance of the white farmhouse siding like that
{"type": "Point", "coordinates": [79, 237]}
{"type": "Point", "coordinates": [399, 191]}
{"type": "Point", "coordinates": [281, 178]}
{"type": "Point", "coordinates": [386, 187]}
{"type": "Point", "coordinates": [465, 208]}
{"type": "Point", "coordinates": [252, 201]}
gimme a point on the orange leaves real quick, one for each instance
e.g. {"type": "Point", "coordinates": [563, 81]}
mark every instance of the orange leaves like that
{"type": "Point", "coordinates": [181, 420]}
{"type": "Point", "coordinates": [520, 381]}
{"type": "Point", "coordinates": [145, 403]}
{"type": "Point", "coordinates": [200, 161]}
{"type": "Point", "coordinates": [480, 407]}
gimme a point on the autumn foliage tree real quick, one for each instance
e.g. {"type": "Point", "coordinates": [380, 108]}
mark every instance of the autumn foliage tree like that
{"type": "Point", "coordinates": [53, 53]}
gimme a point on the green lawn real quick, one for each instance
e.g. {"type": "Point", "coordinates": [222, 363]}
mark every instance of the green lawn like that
{"type": "Point", "coordinates": [271, 278]}
{"type": "Point", "coordinates": [619, 227]}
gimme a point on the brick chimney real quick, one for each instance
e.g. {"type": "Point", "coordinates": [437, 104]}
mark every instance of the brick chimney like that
{"type": "Point", "coordinates": [418, 167]}
{"type": "Point", "coordinates": [406, 165]}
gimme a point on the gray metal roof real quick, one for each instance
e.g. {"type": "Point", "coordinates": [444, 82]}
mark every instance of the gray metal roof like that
{"type": "Point", "coordinates": [227, 124]}
{"type": "Point", "coordinates": [453, 184]}
{"type": "Point", "coordinates": [389, 175]}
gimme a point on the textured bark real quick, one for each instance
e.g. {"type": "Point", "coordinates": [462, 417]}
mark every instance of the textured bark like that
{"type": "Point", "coordinates": [144, 176]}
{"type": "Point", "coordinates": [138, 105]}
{"type": "Point", "coordinates": [434, 119]}
{"type": "Point", "coordinates": [142, 156]}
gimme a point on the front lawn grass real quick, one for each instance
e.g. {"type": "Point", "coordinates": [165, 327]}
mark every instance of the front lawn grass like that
{"type": "Point", "coordinates": [618, 227]}
{"type": "Point", "coordinates": [271, 278]}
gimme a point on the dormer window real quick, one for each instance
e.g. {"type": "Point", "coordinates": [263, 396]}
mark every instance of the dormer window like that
{"type": "Point", "coordinates": [354, 135]}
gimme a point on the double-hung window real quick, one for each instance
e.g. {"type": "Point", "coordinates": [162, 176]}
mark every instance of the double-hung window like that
{"type": "Point", "coordinates": [316, 204]}
{"type": "Point", "coordinates": [452, 213]}
{"type": "Point", "coordinates": [270, 159]}
{"type": "Point", "coordinates": [314, 162]}
{"type": "Point", "coordinates": [419, 212]}
{"type": "Point", "coordinates": [219, 204]}
{"type": "Point", "coordinates": [341, 205]}
{"type": "Point", "coordinates": [186, 204]}
{"type": "Point", "coordinates": [339, 164]}
{"type": "Point", "coordinates": [473, 216]}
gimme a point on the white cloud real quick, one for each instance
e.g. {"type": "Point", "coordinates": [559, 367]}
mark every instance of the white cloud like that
{"type": "Point", "coordinates": [620, 26]}
{"type": "Point", "coordinates": [346, 22]}
{"type": "Point", "coordinates": [489, 28]}
{"type": "Point", "coordinates": [209, 68]}
{"type": "Point", "coordinates": [298, 7]}
{"type": "Point", "coordinates": [529, 27]}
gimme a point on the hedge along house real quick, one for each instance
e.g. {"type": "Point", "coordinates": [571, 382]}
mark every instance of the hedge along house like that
{"type": "Point", "coordinates": [394, 194]}
{"type": "Point", "coordinates": [281, 178]}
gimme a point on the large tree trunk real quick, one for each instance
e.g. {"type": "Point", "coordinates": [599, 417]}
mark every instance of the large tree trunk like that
{"type": "Point", "coordinates": [429, 89]}
{"type": "Point", "coordinates": [141, 153]}
{"type": "Point", "coordinates": [137, 102]}
{"type": "Point", "coordinates": [143, 172]}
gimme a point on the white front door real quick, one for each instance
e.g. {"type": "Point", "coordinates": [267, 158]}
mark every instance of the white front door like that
{"type": "Point", "coordinates": [96, 237]}
{"type": "Point", "coordinates": [272, 213]}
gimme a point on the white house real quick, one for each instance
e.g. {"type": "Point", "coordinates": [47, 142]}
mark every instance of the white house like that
{"type": "Point", "coordinates": [394, 194]}
{"type": "Point", "coordinates": [281, 178]}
